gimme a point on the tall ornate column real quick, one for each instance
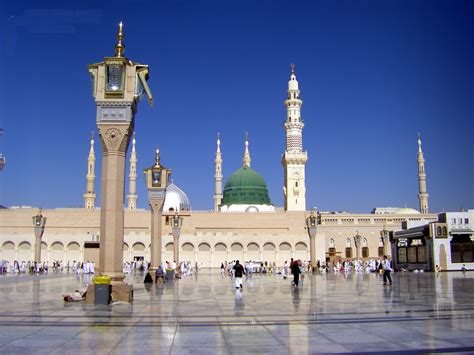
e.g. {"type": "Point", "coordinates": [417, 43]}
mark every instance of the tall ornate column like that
{"type": "Point", "coordinates": [157, 178]}
{"type": "Point", "coordinates": [311, 225]}
{"type": "Point", "coordinates": [117, 86]}
{"type": "Point", "coordinates": [39, 221]}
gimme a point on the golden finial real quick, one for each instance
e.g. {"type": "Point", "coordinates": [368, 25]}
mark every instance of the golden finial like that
{"type": "Point", "coordinates": [246, 136]}
{"type": "Point", "coordinates": [92, 135]}
{"type": "Point", "coordinates": [120, 47]}
{"type": "Point", "coordinates": [157, 158]}
{"type": "Point", "coordinates": [292, 69]}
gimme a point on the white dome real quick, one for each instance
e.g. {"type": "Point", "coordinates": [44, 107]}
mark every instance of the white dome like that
{"type": "Point", "coordinates": [176, 200]}
{"type": "Point", "coordinates": [406, 210]}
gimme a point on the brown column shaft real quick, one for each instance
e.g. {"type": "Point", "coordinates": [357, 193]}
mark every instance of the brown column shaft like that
{"type": "Point", "coordinates": [156, 239]}
{"type": "Point", "coordinates": [176, 249]}
{"type": "Point", "coordinates": [312, 250]}
{"type": "Point", "coordinates": [37, 248]}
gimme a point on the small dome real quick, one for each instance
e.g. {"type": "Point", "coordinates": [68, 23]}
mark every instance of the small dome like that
{"type": "Point", "coordinates": [245, 187]}
{"type": "Point", "coordinates": [406, 210]}
{"type": "Point", "coordinates": [176, 200]}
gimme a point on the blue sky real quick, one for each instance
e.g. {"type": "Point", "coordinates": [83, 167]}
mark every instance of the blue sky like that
{"type": "Point", "coordinates": [372, 75]}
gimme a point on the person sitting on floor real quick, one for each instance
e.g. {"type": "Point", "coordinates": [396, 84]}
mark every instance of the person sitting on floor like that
{"type": "Point", "coordinates": [160, 275]}
{"type": "Point", "coordinates": [148, 278]}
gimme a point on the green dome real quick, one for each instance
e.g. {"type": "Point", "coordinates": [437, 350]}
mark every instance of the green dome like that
{"type": "Point", "coordinates": [245, 187]}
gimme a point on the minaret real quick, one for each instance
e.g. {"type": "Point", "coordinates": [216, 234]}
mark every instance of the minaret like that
{"type": "Point", "coordinates": [218, 176]}
{"type": "Point", "coordinates": [423, 195]}
{"type": "Point", "coordinates": [89, 196]}
{"type": "Point", "coordinates": [132, 179]}
{"type": "Point", "coordinates": [247, 159]}
{"type": "Point", "coordinates": [294, 159]}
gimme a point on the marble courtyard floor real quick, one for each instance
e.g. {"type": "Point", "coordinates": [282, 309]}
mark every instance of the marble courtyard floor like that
{"type": "Point", "coordinates": [205, 314]}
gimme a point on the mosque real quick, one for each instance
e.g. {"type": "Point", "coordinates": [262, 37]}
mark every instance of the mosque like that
{"type": "Point", "coordinates": [244, 224]}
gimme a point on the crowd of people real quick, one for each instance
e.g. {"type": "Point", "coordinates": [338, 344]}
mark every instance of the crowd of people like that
{"type": "Point", "coordinates": [31, 267]}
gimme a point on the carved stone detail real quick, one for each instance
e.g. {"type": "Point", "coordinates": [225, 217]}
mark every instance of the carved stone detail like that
{"type": "Point", "coordinates": [114, 139]}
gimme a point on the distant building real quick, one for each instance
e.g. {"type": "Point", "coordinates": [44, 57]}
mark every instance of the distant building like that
{"type": "Point", "coordinates": [447, 243]}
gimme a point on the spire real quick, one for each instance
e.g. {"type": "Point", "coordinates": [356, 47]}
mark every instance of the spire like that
{"type": "Point", "coordinates": [292, 69]}
{"type": "Point", "coordinates": [89, 196]}
{"type": "Point", "coordinates": [120, 47]}
{"type": "Point", "coordinates": [247, 159]}
{"type": "Point", "coordinates": [423, 194]}
{"type": "Point", "coordinates": [132, 178]}
{"type": "Point", "coordinates": [218, 175]}
{"type": "Point", "coordinates": [91, 151]}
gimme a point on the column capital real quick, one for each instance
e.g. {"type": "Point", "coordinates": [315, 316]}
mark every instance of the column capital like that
{"type": "Point", "coordinates": [115, 137]}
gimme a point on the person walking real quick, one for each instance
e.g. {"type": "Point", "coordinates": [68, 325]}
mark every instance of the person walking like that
{"type": "Point", "coordinates": [295, 270]}
{"type": "Point", "coordinates": [387, 269]}
{"type": "Point", "coordinates": [239, 271]}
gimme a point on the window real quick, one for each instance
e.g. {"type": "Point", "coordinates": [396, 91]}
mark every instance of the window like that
{"type": "Point", "coordinates": [460, 220]}
{"type": "Point", "coordinates": [466, 220]}
{"type": "Point", "coordinates": [381, 251]}
{"type": "Point", "coordinates": [332, 251]}
{"type": "Point", "coordinates": [365, 252]}
{"type": "Point", "coordinates": [445, 231]}
{"type": "Point", "coordinates": [348, 252]}
{"type": "Point", "coordinates": [438, 231]}
{"type": "Point", "coordinates": [462, 250]}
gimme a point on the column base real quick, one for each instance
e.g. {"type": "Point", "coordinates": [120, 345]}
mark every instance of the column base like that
{"type": "Point", "coordinates": [120, 292]}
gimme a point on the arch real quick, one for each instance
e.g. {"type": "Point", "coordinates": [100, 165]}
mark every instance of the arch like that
{"type": "Point", "coordinates": [301, 246]}
{"type": "Point", "coordinates": [125, 247]}
{"type": "Point", "coordinates": [253, 252]}
{"type": "Point", "coordinates": [138, 246]}
{"type": "Point", "coordinates": [331, 243]}
{"type": "Point", "coordinates": [204, 257]}
{"type": "Point", "coordinates": [187, 252]}
{"type": "Point", "coordinates": [236, 247]}
{"type": "Point", "coordinates": [73, 246]}
{"type": "Point", "coordinates": [138, 251]}
{"type": "Point", "coordinates": [253, 247]}
{"type": "Point", "coordinates": [187, 247]}
{"type": "Point", "coordinates": [8, 251]}
{"type": "Point", "coordinates": [8, 245]}
{"type": "Point", "coordinates": [57, 251]}
{"type": "Point", "coordinates": [269, 247]}
{"type": "Point", "coordinates": [284, 253]}
{"type": "Point", "coordinates": [204, 247]}
{"type": "Point", "coordinates": [285, 246]}
{"type": "Point", "coordinates": [57, 246]}
{"type": "Point", "coordinates": [24, 246]}
{"type": "Point", "coordinates": [73, 252]}
{"type": "Point", "coordinates": [44, 246]}
{"type": "Point", "coordinates": [348, 242]}
{"type": "Point", "coordinates": [169, 247]}
{"type": "Point", "coordinates": [364, 242]}
{"type": "Point", "coordinates": [220, 247]}
{"type": "Point", "coordinates": [24, 251]}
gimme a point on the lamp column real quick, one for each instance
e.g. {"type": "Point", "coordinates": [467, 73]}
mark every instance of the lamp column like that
{"type": "Point", "coordinates": [117, 86]}
{"type": "Point", "coordinates": [39, 221]}
{"type": "Point", "coordinates": [312, 226]}
{"type": "Point", "coordinates": [176, 224]}
{"type": "Point", "coordinates": [156, 179]}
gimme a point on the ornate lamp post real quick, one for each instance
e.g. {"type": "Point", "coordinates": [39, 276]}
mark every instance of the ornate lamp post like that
{"type": "Point", "coordinates": [118, 84]}
{"type": "Point", "coordinates": [357, 240]}
{"type": "Point", "coordinates": [312, 226]}
{"type": "Point", "coordinates": [156, 178]}
{"type": "Point", "coordinates": [385, 239]}
{"type": "Point", "coordinates": [39, 221]}
{"type": "Point", "coordinates": [176, 224]}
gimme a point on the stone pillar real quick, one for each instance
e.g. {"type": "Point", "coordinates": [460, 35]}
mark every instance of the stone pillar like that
{"type": "Point", "coordinates": [176, 249]}
{"type": "Point", "coordinates": [114, 138]}
{"type": "Point", "coordinates": [156, 204]}
{"type": "Point", "coordinates": [312, 250]}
